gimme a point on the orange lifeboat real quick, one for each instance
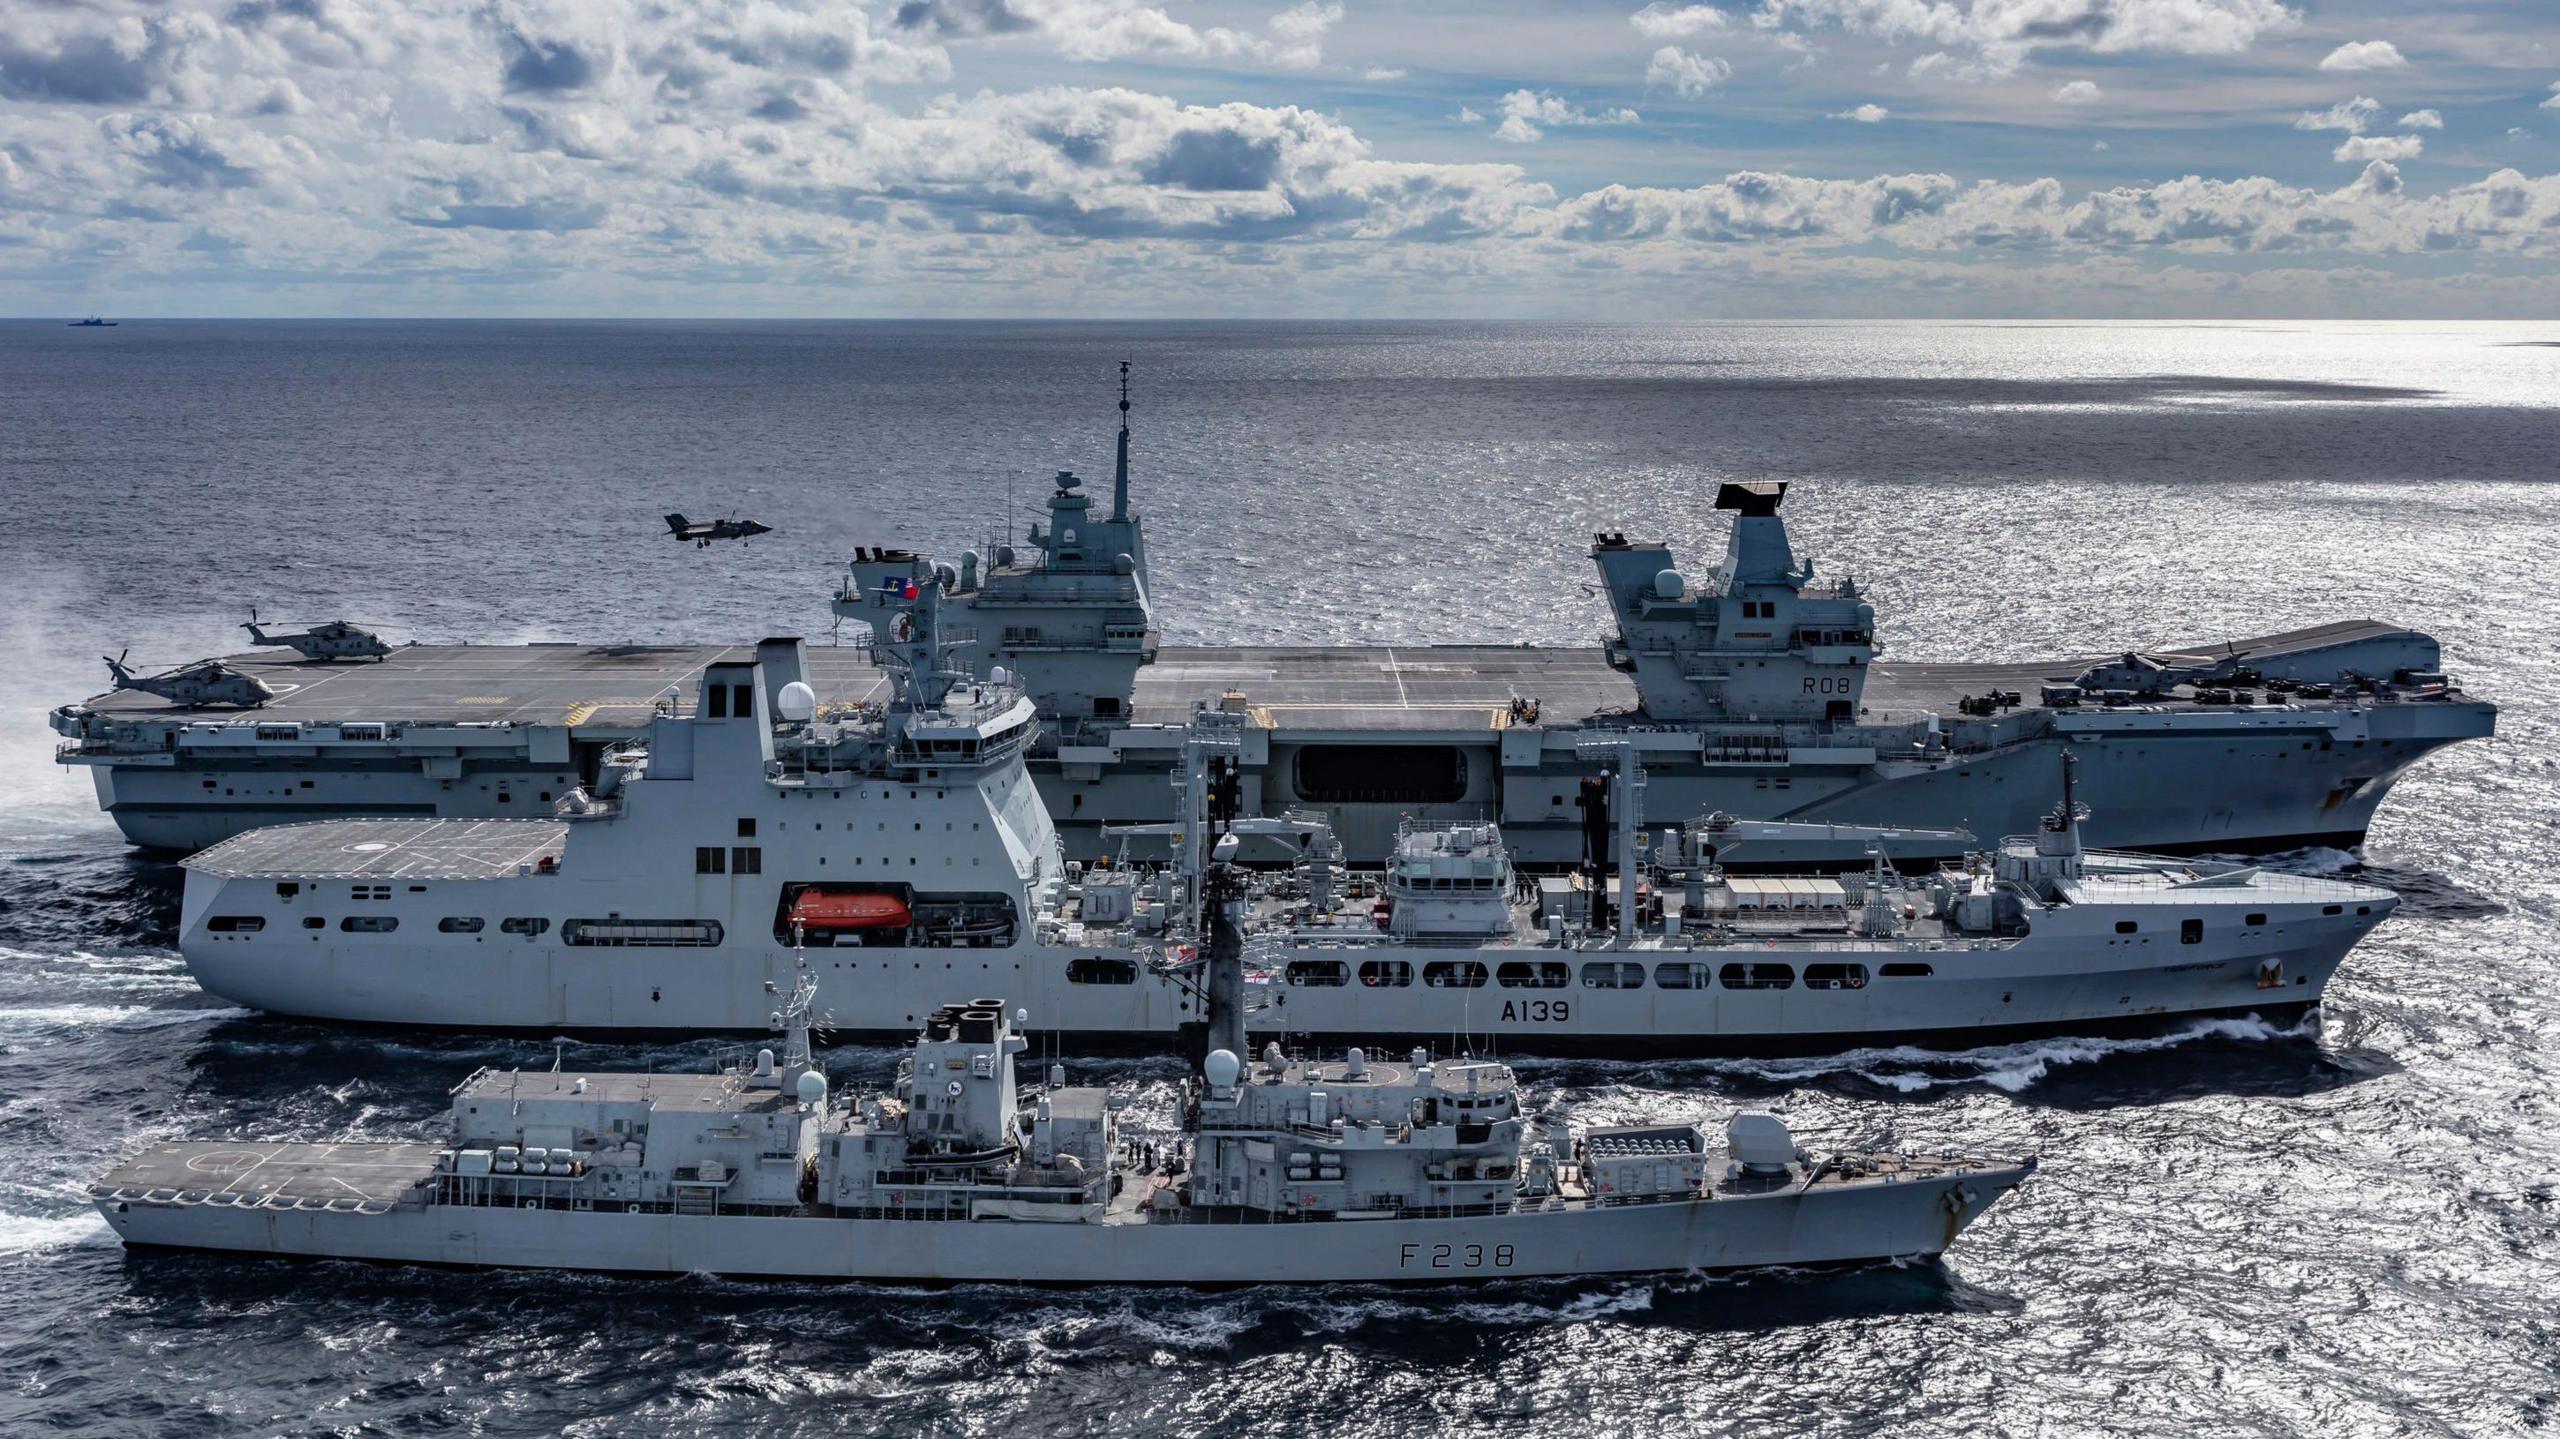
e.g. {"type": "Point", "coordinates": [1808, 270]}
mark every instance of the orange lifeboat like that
{"type": "Point", "coordinates": [818, 911]}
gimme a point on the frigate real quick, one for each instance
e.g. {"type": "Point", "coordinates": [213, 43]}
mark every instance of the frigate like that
{"type": "Point", "coordinates": [1286, 1169]}
{"type": "Point", "coordinates": [1753, 689]}
{"type": "Point", "coordinates": [908, 850]}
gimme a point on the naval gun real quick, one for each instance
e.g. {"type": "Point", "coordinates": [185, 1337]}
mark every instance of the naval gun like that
{"type": "Point", "coordinates": [206, 682]}
{"type": "Point", "coordinates": [336, 640]}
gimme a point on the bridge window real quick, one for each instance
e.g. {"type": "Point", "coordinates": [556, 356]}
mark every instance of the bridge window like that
{"type": "Point", "coordinates": [460, 924]}
{"type": "Point", "coordinates": [369, 923]}
{"type": "Point", "coordinates": [2126, 926]}
{"type": "Point", "coordinates": [2190, 931]}
{"type": "Point", "coordinates": [746, 826]}
{"type": "Point", "coordinates": [1385, 973]}
{"type": "Point", "coordinates": [1603, 974]}
{"type": "Point", "coordinates": [1454, 974]}
{"type": "Point", "coordinates": [1100, 970]}
{"type": "Point", "coordinates": [1756, 976]}
{"type": "Point", "coordinates": [313, 921]}
{"type": "Point", "coordinates": [526, 927]}
{"type": "Point", "coordinates": [746, 859]}
{"type": "Point", "coordinates": [2333, 909]}
{"type": "Point", "coordinates": [236, 923]}
{"type": "Point", "coordinates": [1543, 974]}
{"type": "Point", "coordinates": [1906, 970]}
{"type": "Point", "coordinates": [710, 859]}
{"type": "Point", "coordinates": [2253, 919]}
{"type": "Point", "coordinates": [1681, 974]}
{"type": "Point", "coordinates": [1835, 976]}
{"type": "Point", "coordinates": [1319, 973]}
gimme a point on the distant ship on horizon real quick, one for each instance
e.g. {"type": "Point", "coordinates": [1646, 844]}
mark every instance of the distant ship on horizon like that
{"type": "Point", "coordinates": [94, 322]}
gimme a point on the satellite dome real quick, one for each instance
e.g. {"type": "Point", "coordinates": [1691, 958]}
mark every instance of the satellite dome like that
{"type": "Point", "coordinates": [1123, 564]}
{"type": "Point", "coordinates": [797, 703]}
{"type": "Point", "coordinates": [1221, 1068]}
{"type": "Point", "coordinates": [1670, 584]}
{"type": "Point", "coordinates": [812, 1086]}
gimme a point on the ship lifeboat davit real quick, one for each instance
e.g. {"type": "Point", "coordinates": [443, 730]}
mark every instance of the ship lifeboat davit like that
{"type": "Point", "coordinates": [818, 911]}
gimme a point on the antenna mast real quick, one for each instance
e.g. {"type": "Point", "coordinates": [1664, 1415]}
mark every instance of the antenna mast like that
{"type": "Point", "coordinates": [1120, 473]}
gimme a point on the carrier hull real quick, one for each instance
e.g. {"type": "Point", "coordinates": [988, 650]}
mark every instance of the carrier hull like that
{"type": "Point", "coordinates": [1370, 736]}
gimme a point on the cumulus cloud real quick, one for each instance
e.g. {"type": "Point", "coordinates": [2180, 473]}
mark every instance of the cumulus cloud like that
{"type": "Point", "coordinates": [2422, 120]}
{"type": "Point", "coordinates": [1867, 114]}
{"type": "Point", "coordinates": [1983, 40]}
{"type": "Point", "coordinates": [2077, 92]}
{"type": "Point", "coordinates": [2372, 214]}
{"type": "Point", "coordinates": [2378, 147]}
{"type": "Point", "coordinates": [695, 145]}
{"type": "Point", "coordinates": [2364, 55]}
{"type": "Point", "coordinates": [2554, 102]}
{"type": "Point", "coordinates": [1094, 31]}
{"type": "Point", "coordinates": [1673, 68]}
{"type": "Point", "coordinates": [1660, 21]}
{"type": "Point", "coordinates": [1524, 112]}
{"type": "Point", "coordinates": [1384, 74]}
{"type": "Point", "coordinates": [180, 152]}
{"type": "Point", "coordinates": [2351, 116]}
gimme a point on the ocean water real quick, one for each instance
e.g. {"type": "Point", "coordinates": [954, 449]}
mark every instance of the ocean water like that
{"type": "Point", "coordinates": [2349, 1227]}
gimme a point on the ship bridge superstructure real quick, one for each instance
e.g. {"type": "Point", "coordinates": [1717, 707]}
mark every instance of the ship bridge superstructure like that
{"type": "Point", "coordinates": [1069, 616]}
{"type": "Point", "coordinates": [1758, 639]}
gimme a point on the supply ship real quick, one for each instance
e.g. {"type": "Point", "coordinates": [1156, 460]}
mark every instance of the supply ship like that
{"type": "Point", "coordinates": [1752, 689]}
{"type": "Point", "coordinates": [889, 858]}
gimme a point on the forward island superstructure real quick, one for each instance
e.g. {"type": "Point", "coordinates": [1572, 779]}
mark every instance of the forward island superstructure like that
{"type": "Point", "coordinates": [1753, 689]}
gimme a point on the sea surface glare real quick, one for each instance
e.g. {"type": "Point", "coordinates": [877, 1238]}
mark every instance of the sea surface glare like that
{"type": "Point", "coordinates": [2352, 1228]}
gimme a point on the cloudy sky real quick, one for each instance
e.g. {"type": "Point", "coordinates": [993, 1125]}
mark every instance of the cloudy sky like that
{"type": "Point", "coordinates": [1333, 157]}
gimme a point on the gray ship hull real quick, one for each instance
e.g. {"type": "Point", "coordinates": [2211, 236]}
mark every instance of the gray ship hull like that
{"type": "Point", "coordinates": [1369, 736]}
{"type": "Point", "coordinates": [1819, 1225]}
{"type": "Point", "coordinates": [2043, 984]}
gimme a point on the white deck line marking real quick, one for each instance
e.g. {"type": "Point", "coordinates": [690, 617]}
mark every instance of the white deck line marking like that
{"type": "Point", "coordinates": [1393, 669]}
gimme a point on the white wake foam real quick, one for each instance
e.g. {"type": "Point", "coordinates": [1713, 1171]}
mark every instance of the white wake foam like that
{"type": "Point", "coordinates": [34, 1234]}
{"type": "Point", "coordinates": [1911, 1069]}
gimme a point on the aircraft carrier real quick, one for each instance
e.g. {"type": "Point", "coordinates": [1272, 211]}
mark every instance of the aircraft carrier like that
{"type": "Point", "coordinates": [1753, 690]}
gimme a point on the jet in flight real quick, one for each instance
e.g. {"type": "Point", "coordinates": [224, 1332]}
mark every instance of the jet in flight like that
{"type": "Point", "coordinates": [702, 534]}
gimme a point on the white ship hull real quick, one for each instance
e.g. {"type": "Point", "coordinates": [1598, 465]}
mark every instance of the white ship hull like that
{"type": "Point", "coordinates": [1822, 1225]}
